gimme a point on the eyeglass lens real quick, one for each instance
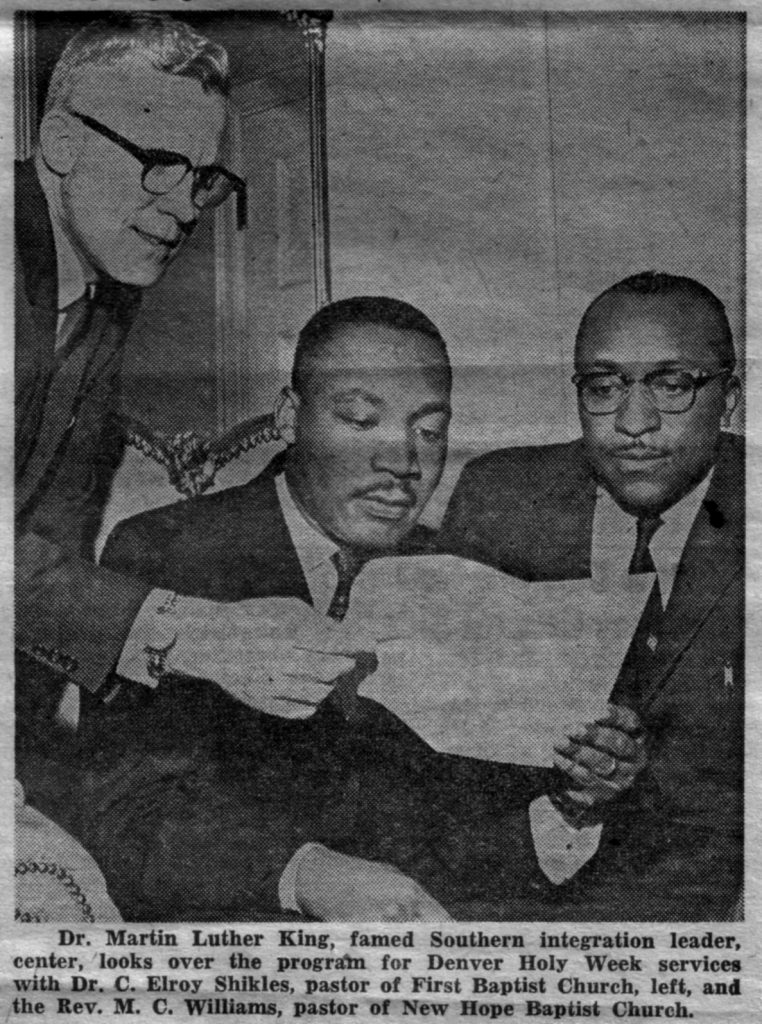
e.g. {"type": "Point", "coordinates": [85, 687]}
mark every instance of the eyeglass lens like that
{"type": "Point", "coordinates": [670, 391]}
{"type": "Point", "coordinates": [210, 186]}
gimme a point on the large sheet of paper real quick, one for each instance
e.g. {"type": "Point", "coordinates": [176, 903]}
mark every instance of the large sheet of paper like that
{"type": "Point", "coordinates": [481, 664]}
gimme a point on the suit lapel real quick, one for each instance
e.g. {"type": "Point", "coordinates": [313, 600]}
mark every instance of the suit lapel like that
{"type": "Point", "coordinates": [712, 559]}
{"type": "Point", "coordinates": [265, 562]}
{"type": "Point", "coordinates": [69, 387]}
{"type": "Point", "coordinates": [36, 309]}
{"type": "Point", "coordinates": [52, 396]}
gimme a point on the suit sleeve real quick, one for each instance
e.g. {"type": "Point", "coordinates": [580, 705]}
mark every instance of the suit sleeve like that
{"type": "Point", "coordinates": [136, 550]}
{"type": "Point", "coordinates": [72, 617]}
{"type": "Point", "coordinates": [459, 533]}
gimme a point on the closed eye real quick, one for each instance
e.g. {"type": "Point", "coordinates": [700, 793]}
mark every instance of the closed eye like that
{"type": "Point", "coordinates": [358, 422]}
{"type": "Point", "coordinates": [430, 435]}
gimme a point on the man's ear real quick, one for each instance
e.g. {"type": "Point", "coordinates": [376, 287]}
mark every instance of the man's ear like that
{"type": "Point", "coordinates": [732, 398]}
{"type": "Point", "coordinates": [286, 408]}
{"type": "Point", "coordinates": [60, 141]}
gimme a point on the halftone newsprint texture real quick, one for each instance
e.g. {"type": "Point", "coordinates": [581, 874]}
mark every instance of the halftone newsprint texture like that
{"type": "Point", "coordinates": [384, 381]}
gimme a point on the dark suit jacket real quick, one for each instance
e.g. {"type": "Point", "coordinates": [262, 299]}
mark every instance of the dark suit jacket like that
{"type": "Point", "coordinates": [71, 617]}
{"type": "Point", "coordinates": [673, 849]}
{"type": "Point", "coordinates": [256, 787]}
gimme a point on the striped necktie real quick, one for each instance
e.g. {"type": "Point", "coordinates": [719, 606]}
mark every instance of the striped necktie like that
{"type": "Point", "coordinates": [348, 565]}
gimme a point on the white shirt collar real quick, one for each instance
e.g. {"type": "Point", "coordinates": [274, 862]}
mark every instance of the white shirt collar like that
{"type": "Point", "coordinates": [313, 548]}
{"type": "Point", "coordinates": [614, 533]}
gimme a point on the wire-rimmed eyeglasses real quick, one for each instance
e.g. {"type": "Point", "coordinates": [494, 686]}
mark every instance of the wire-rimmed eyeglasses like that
{"type": "Point", "coordinates": [602, 392]}
{"type": "Point", "coordinates": [163, 170]}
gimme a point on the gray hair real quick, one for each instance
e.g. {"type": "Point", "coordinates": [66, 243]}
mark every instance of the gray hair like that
{"type": "Point", "coordinates": [169, 45]}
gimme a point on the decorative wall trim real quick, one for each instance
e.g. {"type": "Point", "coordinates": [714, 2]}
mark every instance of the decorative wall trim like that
{"type": "Point", "coordinates": [192, 461]}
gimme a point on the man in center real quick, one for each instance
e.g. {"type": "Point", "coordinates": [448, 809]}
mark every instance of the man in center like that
{"type": "Point", "coordinates": [280, 815]}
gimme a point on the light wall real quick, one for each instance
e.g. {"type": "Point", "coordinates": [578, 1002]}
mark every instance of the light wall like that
{"type": "Point", "coordinates": [500, 170]}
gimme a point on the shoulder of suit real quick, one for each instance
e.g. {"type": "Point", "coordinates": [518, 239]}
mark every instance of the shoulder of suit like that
{"type": "Point", "coordinates": [159, 525]}
{"type": "Point", "coordinates": [515, 466]}
{"type": "Point", "coordinates": [422, 540]}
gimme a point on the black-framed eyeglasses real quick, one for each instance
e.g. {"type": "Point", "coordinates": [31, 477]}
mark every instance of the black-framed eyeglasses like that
{"type": "Point", "coordinates": [163, 170]}
{"type": "Point", "coordinates": [602, 392]}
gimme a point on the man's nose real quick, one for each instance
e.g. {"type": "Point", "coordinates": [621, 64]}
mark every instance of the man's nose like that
{"type": "Point", "coordinates": [396, 453]}
{"type": "Point", "coordinates": [178, 203]}
{"type": "Point", "coordinates": [638, 415]}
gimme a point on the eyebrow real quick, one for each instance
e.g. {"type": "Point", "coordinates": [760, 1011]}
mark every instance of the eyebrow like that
{"type": "Point", "coordinates": [432, 407]}
{"type": "Point", "coordinates": [606, 364]}
{"type": "Point", "coordinates": [425, 410]}
{"type": "Point", "coordinates": [348, 396]}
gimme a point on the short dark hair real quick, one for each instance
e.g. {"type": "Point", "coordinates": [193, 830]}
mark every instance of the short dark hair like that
{"type": "Point", "coordinates": [361, 309]}
{"type": "Point", "coordinates": [651, 283]}
{"type": "Point", "coordinates": [168, 44]}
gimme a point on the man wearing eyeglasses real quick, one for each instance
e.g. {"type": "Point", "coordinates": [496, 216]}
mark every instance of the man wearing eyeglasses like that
{"type": "Point", "coordinates": [653, 486]}
{"type": "Point", "coordinates": [126, 163]}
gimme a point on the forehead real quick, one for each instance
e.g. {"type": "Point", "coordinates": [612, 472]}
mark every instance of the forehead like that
{"type": "Point", "coordinates": [380, 357]}
{"type": "Point", "coordinates": [651, 331]}
{"type": "Point", "coordinates": [150, 107]}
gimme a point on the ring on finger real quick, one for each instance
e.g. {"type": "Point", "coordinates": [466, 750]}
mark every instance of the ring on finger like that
{"type": "Point", "coordinates": [606, 771]}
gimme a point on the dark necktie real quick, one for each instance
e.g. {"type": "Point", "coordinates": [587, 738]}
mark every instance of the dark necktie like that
{"type": "Point", "coordinates": [348, 564]}
{"type": "Point", "coordinates": [651, 623]}
{"type": "Point", "coordinates": [642, 560]}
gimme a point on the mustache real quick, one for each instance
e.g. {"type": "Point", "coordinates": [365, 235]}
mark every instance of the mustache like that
{"type": "Point", "coordinates": [396, 491]}
{"type": "Point", "coordinates": [644, 450]}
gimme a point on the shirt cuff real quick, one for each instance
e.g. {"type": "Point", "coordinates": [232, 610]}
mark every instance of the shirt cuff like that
{"type": "Point", "coordinates": [152, 627]}
{"type": "Point", "coordinates": [287, 895]}
{"type": "Point", "coordinates": [561, 848]}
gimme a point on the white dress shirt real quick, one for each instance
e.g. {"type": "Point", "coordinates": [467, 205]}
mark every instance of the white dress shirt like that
{"type": "Point", "coordinates": [313, 549]}
{"type": "Point", "coordinates": [561, 848]}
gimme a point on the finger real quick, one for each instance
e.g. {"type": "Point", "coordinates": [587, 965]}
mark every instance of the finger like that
{"type": "Point", "coordinates": [292, 710]}
{"type": "Point", "coordinates": [336, 638]}
{"type": "Point", "coordinates": [300, 688]}
{"type": "Point", "coordinates": [581, 797]}
{"type": "Point", "coordinates": [279, 689]}
{"type": "Point", "coordinates": [620, 717]}
{"type": "Point", "coordinates": [578, 772]}
{"type": "Point", "coordinates": [325, 667]}
{"type": "Point", "coordinates": [612, 741]}
{"type": "Point", "coordinates": [567, 751]}
{"type": "Point", "coordinates": [603, 764]}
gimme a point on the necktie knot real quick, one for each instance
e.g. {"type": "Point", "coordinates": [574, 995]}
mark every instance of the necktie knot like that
{"type": "Point", "coordinates": [642, 560]}
{"type": "Point", "coordinates": [348, 565]}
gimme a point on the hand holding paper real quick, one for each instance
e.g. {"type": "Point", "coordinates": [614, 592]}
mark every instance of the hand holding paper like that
{"type": "Point", "coordinates": [273, 654]}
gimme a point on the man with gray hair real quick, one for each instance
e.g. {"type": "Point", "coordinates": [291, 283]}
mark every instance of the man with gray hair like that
{"type": "Point", "coordinates": [128, 158]}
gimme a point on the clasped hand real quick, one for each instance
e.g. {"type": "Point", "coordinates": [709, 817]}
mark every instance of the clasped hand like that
{"type": "Point", "coordinates": [603, 758]}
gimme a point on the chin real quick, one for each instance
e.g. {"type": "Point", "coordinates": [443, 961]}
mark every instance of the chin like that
{"type": "Point", "coordinates": [643, 500]}
{"type": "Point", "coordinates": [138, 277]}
{"type": "Point", "coordinates": [378, 539]}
